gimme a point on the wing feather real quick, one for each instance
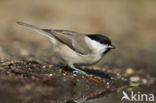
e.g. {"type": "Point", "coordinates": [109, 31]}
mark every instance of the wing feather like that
{"type": "Point", "coordinates": [72, 39]}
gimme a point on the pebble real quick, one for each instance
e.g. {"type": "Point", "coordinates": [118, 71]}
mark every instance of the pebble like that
{"type": "Point", "coordinates": [144, 81]}
{"type": "Point", "coordinates": [44, 66]}
{"type": "Point", "coordinates": [51, 75]}
{"type": "Point", "coordinates": [134, 81]}
{"type": "Point", "coordinates": [134, 78]}
{"type": "Point", "coordinates": [130, 71]}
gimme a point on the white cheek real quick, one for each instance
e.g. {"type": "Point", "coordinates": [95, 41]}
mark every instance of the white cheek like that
{"type": "Point", "coordinates": [100, 48]}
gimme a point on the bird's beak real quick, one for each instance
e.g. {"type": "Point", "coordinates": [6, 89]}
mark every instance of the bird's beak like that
{"type": "Point", "coordinates": [111, 46]}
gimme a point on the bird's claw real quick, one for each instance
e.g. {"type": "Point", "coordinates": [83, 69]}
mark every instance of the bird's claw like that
{"type": "Point", "coordinates": [80, 72]}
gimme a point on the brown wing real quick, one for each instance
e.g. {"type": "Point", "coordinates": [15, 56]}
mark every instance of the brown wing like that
{"type": "Point", "coordinates": [72, 39]}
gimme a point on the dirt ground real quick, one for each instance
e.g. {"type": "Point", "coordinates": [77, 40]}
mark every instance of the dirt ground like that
{"type": "Point", "coordinates": [27, 74]}
{"type": "Point", "coordinates": [33, 81]}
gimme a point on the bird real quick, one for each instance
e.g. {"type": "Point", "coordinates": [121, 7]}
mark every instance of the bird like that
{"type": "Point", "coordinates": [74, 48]}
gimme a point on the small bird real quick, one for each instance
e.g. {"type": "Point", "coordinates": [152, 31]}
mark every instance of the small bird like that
{"type": "Point", "coordinates": [76, 48]}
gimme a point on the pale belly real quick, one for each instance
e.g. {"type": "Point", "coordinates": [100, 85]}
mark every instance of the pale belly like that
{"type": "Point", "coordinates": [72, 57]}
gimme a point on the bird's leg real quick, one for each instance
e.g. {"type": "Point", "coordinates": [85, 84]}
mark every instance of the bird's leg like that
{"type": "Point", "coordinates": [76, 70]}
{"type": "Point", "coordinates": [91, 77]}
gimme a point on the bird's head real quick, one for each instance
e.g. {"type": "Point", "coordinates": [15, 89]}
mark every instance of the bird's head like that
{"type": "Point", "coordinates": [101, 42]}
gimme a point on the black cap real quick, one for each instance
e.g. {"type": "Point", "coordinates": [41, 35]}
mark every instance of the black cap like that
{"type": "Point", "coordinates": [100, 38]}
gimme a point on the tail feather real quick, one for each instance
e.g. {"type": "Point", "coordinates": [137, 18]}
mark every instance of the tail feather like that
{"type": "Point", "coordinates": [35, 28]}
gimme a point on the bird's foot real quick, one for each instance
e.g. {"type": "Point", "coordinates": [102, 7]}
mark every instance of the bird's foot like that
{"type": "Point", "coordinates": [80, 72]}
{"type": "Point", "coordinates": [91, 77]}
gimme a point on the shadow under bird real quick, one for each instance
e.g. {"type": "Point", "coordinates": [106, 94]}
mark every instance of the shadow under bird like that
{"type": "Point", "coordinates": [76, 48]}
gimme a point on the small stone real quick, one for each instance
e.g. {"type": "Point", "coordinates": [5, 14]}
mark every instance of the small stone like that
{"type": "Point", "coordinates": [50, 75]}
{"type": "Point", "coordinates": [135, 81]}
{"type": "Point", "coordinates": [135, 78]}
{"type": "Point", "coordinates": [134, 84]}
{"type": "Point", "coordinates": [43, 66]}
{"type": "Point", "coordinates": [75, 75]}
{"type": "Point", "coordinates": [144, 81]}
{"type": "Point", "coordinates": [108, 85]}
{"type": "Point", "coordinates": [64, 74]}
{"type": "Point", "coordinates": [130, 71]}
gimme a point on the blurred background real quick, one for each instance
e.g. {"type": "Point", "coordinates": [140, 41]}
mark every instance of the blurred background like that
{"type": "Point", "coordinates": [131, 25]}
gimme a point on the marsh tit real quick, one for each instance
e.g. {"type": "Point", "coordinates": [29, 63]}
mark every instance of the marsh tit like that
{"type": "Point", "coordinates": [76, 48]}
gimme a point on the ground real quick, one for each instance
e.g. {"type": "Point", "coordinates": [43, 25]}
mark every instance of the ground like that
{"type": "Point", "coordinates": [33, 81]}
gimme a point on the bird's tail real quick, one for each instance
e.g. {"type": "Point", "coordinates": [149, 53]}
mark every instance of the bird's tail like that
{"type": "Point", "coordinates": [35, 28]}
